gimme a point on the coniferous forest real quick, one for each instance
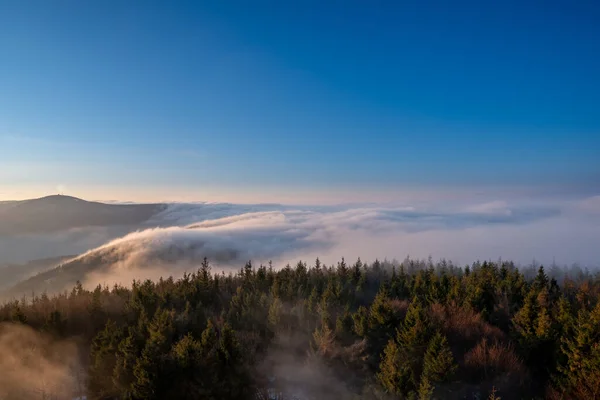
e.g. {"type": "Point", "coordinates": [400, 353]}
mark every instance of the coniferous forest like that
{"type": "Point", "coordinates": [411, 330]}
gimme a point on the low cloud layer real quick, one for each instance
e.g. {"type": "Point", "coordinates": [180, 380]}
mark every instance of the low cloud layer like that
{"type": "Point", "coordinates": [488, 231]}
{"type": "Point", "coordinates": [180, 236]}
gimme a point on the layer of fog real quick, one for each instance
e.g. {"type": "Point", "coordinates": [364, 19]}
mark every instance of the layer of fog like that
{"type": "Point", "coordinates": [34, 366]}
{"type": "Point", "coordinates": [177, 239]}
{"type": "Point", "coordinates": [564, 233]}
{"type": "Point", "coordinates": [21, 248]}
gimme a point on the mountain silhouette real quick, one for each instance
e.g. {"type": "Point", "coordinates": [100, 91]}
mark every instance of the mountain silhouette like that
{"type": "Point", "coordinates": [58, 212]}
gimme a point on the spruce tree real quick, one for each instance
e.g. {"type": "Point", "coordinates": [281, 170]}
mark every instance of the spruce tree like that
{"type": "Point", "coordinates": [275, 311]}
{"type": "Point", "coordinates": [413, 332]}
{"type": "Point", "coordinates": [438, 364]}
{"type": "Point", "coordinates": [150, 380]}
{"type": "Point", "coordinates": [361, 321]}
{"type": "Point", "coordinates": [524, 321]}
{"type": "Point", "coordinates": [425, 389]}
{"type": "Point", "coordinates": [18, 315]}
{"type": "Point", "coordinates": [126, 356]}
{"type": "Point", "coordinates": [103, 350]}
{"type": "Point", "coordinates": [383, 321]}
{"type": "Point", "coordinates": [187, 363]}
{"type": "Point", "coordinates": [582, 370]}
{"type": "Point", "coordinates": [395, 374]}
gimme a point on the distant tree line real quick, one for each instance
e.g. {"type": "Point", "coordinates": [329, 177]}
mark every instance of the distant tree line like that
{"type": "Point", "coordinates": [416, 330]}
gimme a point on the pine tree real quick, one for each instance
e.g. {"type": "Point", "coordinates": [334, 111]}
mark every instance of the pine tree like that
{"type": "Point", "coordinates": [18, 315]}
{"type": "Point", "coordinates": [275, 311]}
{"type": "Point", "coordinates": [563, 315]}
{"type": "Point", "coordinates": [438, 364]}
{"type": "Point", "coordinates": [205, 273]}
{"type": "Point", "coordinates": [524, 321]}
{"type": "Point", "coordinates": [188, 383]}
{"type": "Point", "coordinates": [234, 379]}
{"type": "Point", "coordinates": [313, 300]}
{"type": "Point", "coordinates": [55, 323]}
{"type": "Point", "coordinates": [411, 338]}
{"type": "Point", "coordinates": [147, 384]}
{"type": "Point", "coordinates": [425, 389]}
{"type": "Point", "coordinates": [543, 327]}
{"type": "Point", "coordinates": [395, 375]}
{"type": "Point", "coordinates": [383, 320]}
{"type": "Point", "coordinates": [324, 340]}
{"type": "Point", "coordinates": [582, 370]}
{"type": "Point", "coordinates": [357, 271]}
{"type": "Point", "coordinates": [150, 380]}
{"type": "Point", "coordinates": [361, 321]}
{"type": "Point", "coordinates": [248, 273]}
{"type": "Point", "coordinates": [342, 269]}
{"type": "Point", "coordinates": [103, 359]}
{"type": "Point", "coordinates": [541, 280]}
{"type": "Point", "coordinates": [96, 310]}
{"type": "Point", "coordinates": [414, 329]}
{"type": "Point", "coordinates": [493, 395]}
{"type": "Point", "coordinates": [126, 356]}
{"type": "Point", "coordinates": [208, 338]}
{"type": "Point", "coordinates": [343, 327]}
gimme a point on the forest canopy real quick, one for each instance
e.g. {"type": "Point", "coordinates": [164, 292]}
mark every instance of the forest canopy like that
{"type": "Point", "coordinates": [410, 330]}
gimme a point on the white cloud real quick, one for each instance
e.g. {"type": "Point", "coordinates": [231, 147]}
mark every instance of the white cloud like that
{"type": "Point", "coordinates": [286, 235]}
{"type": "Point", "coordinates": [179, 237]}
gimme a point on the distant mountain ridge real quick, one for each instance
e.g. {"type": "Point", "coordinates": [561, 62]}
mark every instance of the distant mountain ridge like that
{"type": "Point", "coordinates": [58, 212]}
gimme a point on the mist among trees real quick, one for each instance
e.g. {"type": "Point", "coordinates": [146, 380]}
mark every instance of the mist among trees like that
{"type": "Point", "coordinates": [414, 330]}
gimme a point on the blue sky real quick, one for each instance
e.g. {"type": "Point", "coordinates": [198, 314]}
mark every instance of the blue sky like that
{"type": "Point", "coordinates": [126, 99]}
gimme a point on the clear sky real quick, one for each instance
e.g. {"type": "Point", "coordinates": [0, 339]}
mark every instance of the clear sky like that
{"type": "Point", "coordinates": [148, 99]}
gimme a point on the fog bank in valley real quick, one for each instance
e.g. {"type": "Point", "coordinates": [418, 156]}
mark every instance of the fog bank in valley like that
{"type": "Point", "coordinates": [180, 236]}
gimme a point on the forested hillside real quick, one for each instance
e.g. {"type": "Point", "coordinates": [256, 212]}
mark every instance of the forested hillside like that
{"type": "Point", "coordinates": [417, 330]}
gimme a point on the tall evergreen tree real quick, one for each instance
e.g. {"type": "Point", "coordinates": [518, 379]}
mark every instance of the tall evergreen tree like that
{"type": "Point", "coordinates": [425, 389]}
{"type": "Point", "coordinates": [103, 360]}
{"type": "Point", "coordinates": [582, 370]}
{"type": "Point", "coordinates": [438, 364]}
{"type": "Point", "coordinates": [395, 374]}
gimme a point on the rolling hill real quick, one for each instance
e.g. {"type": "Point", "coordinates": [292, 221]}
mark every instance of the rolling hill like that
{"type": "Point", "coordinates": [56, 213]}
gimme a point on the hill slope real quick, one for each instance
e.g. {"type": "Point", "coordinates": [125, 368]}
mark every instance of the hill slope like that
{"type": "Point", "coordinates": [14, 273]}
{"type": "Point", "coordinates": [54, 213]}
